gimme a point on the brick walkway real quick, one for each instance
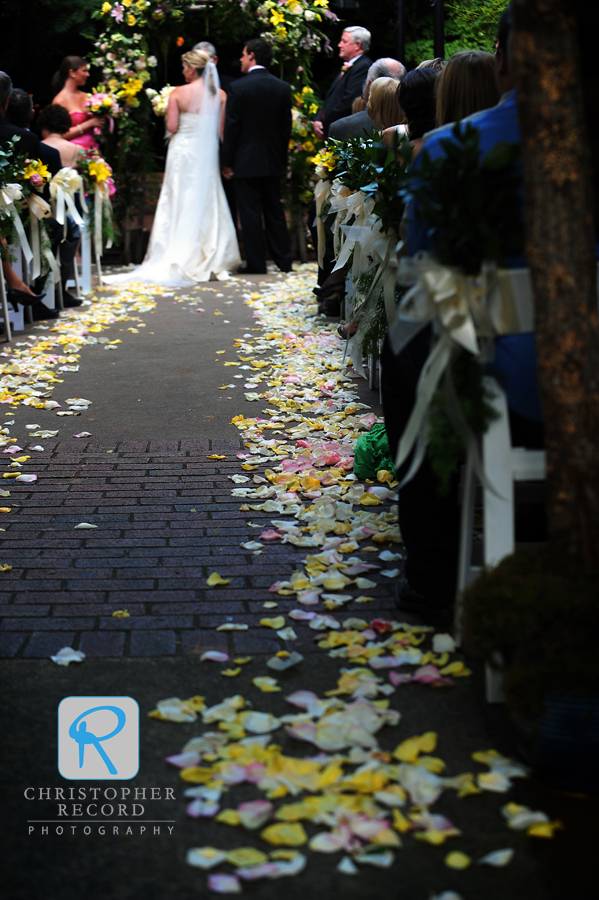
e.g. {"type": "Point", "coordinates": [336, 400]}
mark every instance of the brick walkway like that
{"type": "Point", "coordinates": [165, 520]}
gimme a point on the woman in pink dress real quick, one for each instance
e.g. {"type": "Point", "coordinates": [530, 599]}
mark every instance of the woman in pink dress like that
{"type": "Point", "coordinates": [70, 81]}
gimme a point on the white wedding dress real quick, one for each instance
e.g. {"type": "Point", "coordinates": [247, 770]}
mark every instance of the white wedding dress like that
{"type": "Point", "coordinates": [193, 238]}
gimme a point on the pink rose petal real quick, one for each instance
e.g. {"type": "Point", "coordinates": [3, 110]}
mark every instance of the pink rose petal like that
{"type": "Point", "coordinates": [214, 656]}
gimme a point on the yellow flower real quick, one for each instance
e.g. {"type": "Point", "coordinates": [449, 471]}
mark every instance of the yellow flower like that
{"type": "Point", "coordinates": [141, 4]}
{"type": "Point", "coordinates": [131, 20]}
{"type": "Point", "coordinates": [127, 3]}
{"type": "Point", "coordinates": [308, 145]}
{"type": "Point", "coordinates": [106, 7]}
{"type": "Point", "coordinates": [323, 3]}
{"type": "Point", "coordinates": [99, 171]}
{"type": "Point", "coordinates": [276, 17]}
{"type": "Point", "coordinates": [306, 90]}
{"type": "Point", "coordinates": [37, 167]}
{"type": "Point", "coordinates": [129, 90]}
{"type": "Point", "coordinates": [281, 31]}
{"type": "Point", "coordinates": [313, 109]}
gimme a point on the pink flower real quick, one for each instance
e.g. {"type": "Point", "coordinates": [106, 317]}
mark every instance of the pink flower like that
{"type": "Point", "coordinates": [117, 12]}
{"type": "Point", "coordinates": [36, 179]}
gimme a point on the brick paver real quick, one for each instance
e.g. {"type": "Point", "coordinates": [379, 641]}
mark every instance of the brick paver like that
{"type": "Point", "coordinates": [165, 520]}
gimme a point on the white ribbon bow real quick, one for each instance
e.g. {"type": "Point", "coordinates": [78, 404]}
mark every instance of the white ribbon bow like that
{"type": "Point", "coordinates": [63, 188]}
{"type": "Point", "coordinates": [9, 195]}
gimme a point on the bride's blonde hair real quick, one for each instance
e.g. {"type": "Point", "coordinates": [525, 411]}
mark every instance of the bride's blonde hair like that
{"type": "Point", "coordinates": [198, 59]}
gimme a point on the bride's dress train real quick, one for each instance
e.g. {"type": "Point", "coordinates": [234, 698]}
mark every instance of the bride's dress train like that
{"type": "Point", "coordinates": [193, 238]}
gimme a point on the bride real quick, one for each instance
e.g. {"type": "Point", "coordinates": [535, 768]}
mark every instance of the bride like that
{"type": "Point", "coordinates": [193, 238]}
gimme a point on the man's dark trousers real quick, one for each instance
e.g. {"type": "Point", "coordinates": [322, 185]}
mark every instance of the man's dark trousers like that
{"type": "Point", "coordinates": [257, 197]}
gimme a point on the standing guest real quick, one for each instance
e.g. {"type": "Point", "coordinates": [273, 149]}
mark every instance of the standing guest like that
{"type": "Point", "coordinates": [70, 81]}
{"type": "Point", "coordinates": [354, 44]}
{"type": "Point", "coordinates": [257, 132]}
{"type": "Point", "coordinates": [20, 112]}
{"type": "Point", "coordinates": [356, 124]}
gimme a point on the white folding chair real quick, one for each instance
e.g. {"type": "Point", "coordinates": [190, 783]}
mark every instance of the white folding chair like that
{"type": "Point", "coordinates": [503, 465]}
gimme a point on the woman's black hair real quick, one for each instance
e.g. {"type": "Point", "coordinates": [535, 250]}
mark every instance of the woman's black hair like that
{"type": "Point", "coordinates": [68, 63]}
{"type": "Point", "coordinates": [55, 119]}
{"type": "Point", "coordinates": [417, 97]}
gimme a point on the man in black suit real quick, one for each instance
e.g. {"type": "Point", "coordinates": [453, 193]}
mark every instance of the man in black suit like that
{"type": "Point", "coordinates": [349, 83]}
{"type": "Point", "coordinates": [257, 132]}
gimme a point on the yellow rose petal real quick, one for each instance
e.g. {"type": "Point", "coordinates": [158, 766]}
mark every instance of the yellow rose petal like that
{"type": "Point", "coordinates": [246, 856]}
{"type": "Point", "coordinates": [457, 860]}
{"type": "Point", "coordinates": [544, 829]}
{"type": "Point", "coordinates": [277, 622]}
{"type": "Point", "coordinates": [231, 673]}
{"type": "Point", "coordinates": [286, 834]}
{"type": "Point", "coordinates": [229, 817]}
{"type": "Point", "coordinates": [215, 579]}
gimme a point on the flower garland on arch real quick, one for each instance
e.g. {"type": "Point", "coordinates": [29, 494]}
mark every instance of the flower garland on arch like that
{"type": "Point", "coordinates": [122, 47]}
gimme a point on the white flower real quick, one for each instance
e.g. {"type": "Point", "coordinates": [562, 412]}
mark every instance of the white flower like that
{"type": "Point", "coordinates": [309, 15]}
{"type": "Point", "coordinates": [111, 57]}
{"type": "Point", "coordinates": [140, 63]}
{"type": "Point", "coordinates": [152, 61]}
{"type": "Point", "coordinates": [130, 52]}
{"type": "Point", "coordinates": [137, 37]}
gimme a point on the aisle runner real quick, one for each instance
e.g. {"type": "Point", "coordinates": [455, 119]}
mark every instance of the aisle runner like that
{"type": "Point", "coordinates": [361, 798]}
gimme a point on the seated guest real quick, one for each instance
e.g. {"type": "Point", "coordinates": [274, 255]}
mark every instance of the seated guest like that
{"type": "Point", "coordinates": [20, 113]}
{"type": "Point", "coordinates": [18, 291]}
{"type": "Point", "coordinates": [429, 522]}
{"type": "Point", "coordinates": [383, 104]}
{"type": "Point", "coordinates": [417, 96]}
{"type": "Point", "coordinates": [436, 63]}
{"type": "Point", "coordinates": [467, 85]}
{"type": "Point", "coordinates": [54, 122]}
{"type": "Point", "coordinates": [356, 124]}
{"type": "Point", "coordinates": [358, 105]}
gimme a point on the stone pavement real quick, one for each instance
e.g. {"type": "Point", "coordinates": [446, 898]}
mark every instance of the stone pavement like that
{"type": "Point", "coordinates": [165, 520]}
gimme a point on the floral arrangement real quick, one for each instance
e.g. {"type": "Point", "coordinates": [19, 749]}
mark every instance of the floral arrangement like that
{"type": "Point", "coordinates": [98, 181]}
{"type": "Point", "coordinates": [35, 172]}
{"type": "Point", "coordinates": [325, 163]}
{"type": "Point", "coordinates": [95, 170]}
{"type": "Point", "coordinates": [101, 103]}
{"type": "Point", "coordinates": [292, 26]}
{"type": "Point", "coordinates": [302, 144]}
{"type": "Point", "coordinates": [159, 99]}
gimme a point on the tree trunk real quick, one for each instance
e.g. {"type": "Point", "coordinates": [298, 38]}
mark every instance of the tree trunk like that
{"type": "Point", "coordinates": [560, 246]}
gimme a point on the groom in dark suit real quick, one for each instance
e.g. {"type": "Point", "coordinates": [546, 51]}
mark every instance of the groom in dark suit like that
{"type": "Point", "coordinates": [349, 83]}
{"type": "Point", "coordinates": [257, 132]}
